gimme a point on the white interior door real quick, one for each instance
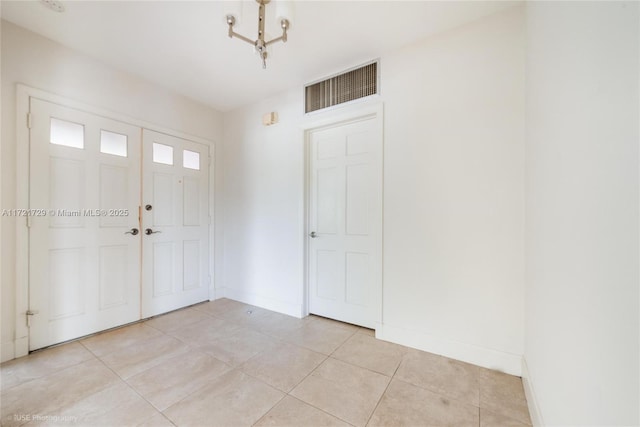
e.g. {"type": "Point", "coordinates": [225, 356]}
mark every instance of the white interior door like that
{"type": "Point", "coordinates": [84, 264]}
{"type": "Point", "coordinates": [175, 218]}
{"type": "Point", "coordinates": [345, 222]}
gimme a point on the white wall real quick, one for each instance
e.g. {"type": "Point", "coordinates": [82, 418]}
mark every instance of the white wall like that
{"type": "Point", "coordinates": [263, 205]}
{"type": "Point", "coordinates": [582, 212]}
{"type": "Point", "coordinates": [454, 195]}
{"type": "Point", "coordinates": [41, 63]}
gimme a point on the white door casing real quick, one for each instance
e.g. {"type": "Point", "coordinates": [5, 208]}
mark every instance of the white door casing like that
{"type": "Point", "coordinates": [176, 256]}
{"type": "Point", "coordinates": [344, 245]}
{"type": "Point", "coordinates": [83, 270]}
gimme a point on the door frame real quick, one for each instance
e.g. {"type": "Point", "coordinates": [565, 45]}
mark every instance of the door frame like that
{"type": "Point", "coordinates": [337, 117]}
{"type": "Point", "coordinates": [23, 95]}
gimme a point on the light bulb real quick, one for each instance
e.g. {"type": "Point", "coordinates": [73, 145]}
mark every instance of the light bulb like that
{"type": "Point", "coordinates": [233, 8]}
{"type": "Point", "coordinates": [284, 10]}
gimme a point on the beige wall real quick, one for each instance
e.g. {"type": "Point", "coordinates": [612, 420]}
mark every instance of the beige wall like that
{"type": "Point", "coordinates": [43, 64]}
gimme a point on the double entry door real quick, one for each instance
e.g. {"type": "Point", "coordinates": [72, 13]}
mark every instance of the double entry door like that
{"type": "Point", "coordinates": [118, 223]}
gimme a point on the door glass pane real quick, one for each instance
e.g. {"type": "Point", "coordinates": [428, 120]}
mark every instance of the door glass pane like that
{"type": "Point", "coordinates": [162, 154]}
{"type": "Point", "coordinates": [113, 143]}
{"type": "Point", "coordinates": [66, 133]}
{"type": "Point", "coordinates": [191, 159]}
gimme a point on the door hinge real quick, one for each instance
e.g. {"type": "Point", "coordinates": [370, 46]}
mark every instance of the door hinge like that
{"type": "Point", "coordinates": [29, 120]}
{"type": "Point", "coordinates": [30, 313]}
{"type": "Point", "coordinates": [209, 219]}
{"type": "Point", "coordinates": [29, 221]}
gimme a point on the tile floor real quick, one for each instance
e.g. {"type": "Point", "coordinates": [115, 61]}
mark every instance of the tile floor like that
{"type": "Point", "coordinates": [224, 363]}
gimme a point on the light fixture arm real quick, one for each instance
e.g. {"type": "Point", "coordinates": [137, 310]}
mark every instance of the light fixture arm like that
{"type": "Point", "coordinates": [260, 44]}
{"type": "Point", "coordinates": [231, 22]}
{"type": "Point", "coordinates": [285, 26]}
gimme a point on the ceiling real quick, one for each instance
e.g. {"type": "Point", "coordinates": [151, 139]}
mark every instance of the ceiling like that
{"type": "Point", "coordinates": [183, 45]}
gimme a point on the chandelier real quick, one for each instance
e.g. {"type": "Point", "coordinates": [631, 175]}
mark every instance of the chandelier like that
{"type": "Point", "coordinates": [283, 14]}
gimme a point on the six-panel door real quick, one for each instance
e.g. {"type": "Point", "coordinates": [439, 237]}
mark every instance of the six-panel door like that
{"type": "Point", "coordinates": [345, 222]}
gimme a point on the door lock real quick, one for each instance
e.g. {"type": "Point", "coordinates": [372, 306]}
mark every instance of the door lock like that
{"type": "Point", "coordinates": [148, 207]}
{"type": "Point", "coordinates": [149, 232]}
{"type": "Point", "coordinates": [133, 231]}
{"type": "Point", "coordinates": [313, 235]}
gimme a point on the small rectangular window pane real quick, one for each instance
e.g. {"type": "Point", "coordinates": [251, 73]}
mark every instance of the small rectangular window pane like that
{"type": "Point", "coordinates": [67, 133]}
{"type": "Point", "coordinates": [113, 143]}
{"type": "Point", "coordinates": [191, 159]}
{"type": "Point", "coordinates": [162, 154]}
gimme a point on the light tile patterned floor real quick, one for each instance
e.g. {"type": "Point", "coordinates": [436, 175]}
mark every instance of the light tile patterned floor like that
{"type": "Point", "coordinates": [225, 363]}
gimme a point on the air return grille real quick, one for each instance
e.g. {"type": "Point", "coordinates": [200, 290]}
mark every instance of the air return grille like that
{"type": "Point", "coordinates": [345, 87]}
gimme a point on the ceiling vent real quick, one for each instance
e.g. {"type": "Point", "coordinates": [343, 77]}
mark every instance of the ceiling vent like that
{"type": "Point", "coordinates": [348, 86]}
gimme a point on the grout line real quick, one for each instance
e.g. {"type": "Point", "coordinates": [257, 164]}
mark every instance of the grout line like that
{"type": "Point", "coordinates": [386, 388]}
{"type": "Point", "coordinates": [439, 393]}
{"type": "Point", "coordinates": [136, 392]}
{"type": "Point", "coordinates": [359, 367]}
{"type": "Point", "coordinates": [154, 407]}
{"type": "Point", "coordinates": [378, 402]}
{"type": "Point", "coordinates": [398, 367]}
{"type": "Point", "coordinates": [363, 367]}
{"type": "Point", "coordinates": [319, 409]}
{"type": "Point", "coordinates": [198, 389]}
{"type": "Point", "coordinates": [342, 344]}
{"type": "Point", "coordinates": [123, 381]}
{"type": "Point", "coordinates": [309, 374]}
{"type": "Point", "coordinates": [232, 367]}
{"type": "Point", "coordinates": [269, 410]}
{"type": "Point", "coordinates": [41, 353]}
{"type": "Point", "coordinates": [88, 349]}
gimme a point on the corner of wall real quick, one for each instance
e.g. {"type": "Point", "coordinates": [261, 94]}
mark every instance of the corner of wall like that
{"type": "Point", "coordinates": [289, 309]}
{"type": "Point", "coordinates": [532, 401]}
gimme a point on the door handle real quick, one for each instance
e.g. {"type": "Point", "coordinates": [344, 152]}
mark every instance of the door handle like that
{"type": "Point", "coordinates": [149, 232]}
{"type": "Point", "coordinates": [133, 231]}
{"type": "Point", "coordinates": [313, 235]}
{"type": "Point", "coordinates": [31, 313]}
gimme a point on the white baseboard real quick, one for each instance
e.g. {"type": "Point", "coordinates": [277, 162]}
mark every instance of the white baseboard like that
{"type": "Point", "coordinates": [21, 347]}
{"type": "Point", "coordinates": [14, 349]}
{"type": "Point", "coordinates": [481, 356]}
{"type": "Point", "coordinates": [294, 310]}
{"type": "Point", "coordinates": [532, 401]}
{"type": "Point", "coordinates": [7, 351]}
{"type": "Point", "coordinates": [213, 294]}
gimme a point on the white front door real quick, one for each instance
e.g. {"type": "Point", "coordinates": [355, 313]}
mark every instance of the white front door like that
{"type": "Point", "coordinates": [175, 218]}
{"type": "Point", "coordinates": [84, 266]}
{"type": "Point", "coordinates": [345, 221]}
{"type": "Point", "coordinates": [99, 257]}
